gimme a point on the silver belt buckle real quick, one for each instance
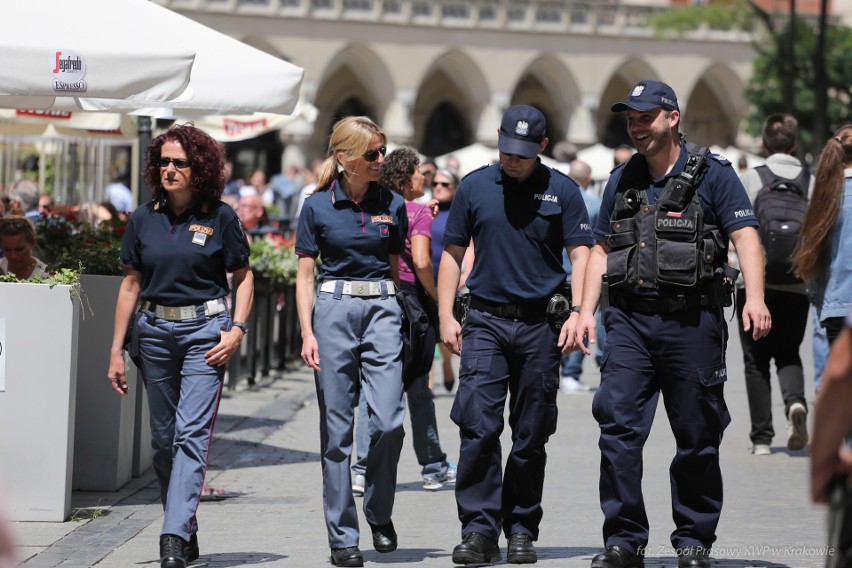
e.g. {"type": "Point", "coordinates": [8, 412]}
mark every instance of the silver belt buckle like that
{"type": "Point", "coordinates": [171, 313]}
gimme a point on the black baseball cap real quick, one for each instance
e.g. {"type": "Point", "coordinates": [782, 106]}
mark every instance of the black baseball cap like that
{"type": "Point", "coordinates": [648, 95]}
{"type": "Point", "coordinates": [522, 131]}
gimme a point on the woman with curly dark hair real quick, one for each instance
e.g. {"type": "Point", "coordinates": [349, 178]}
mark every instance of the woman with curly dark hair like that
{"type": "Point", "coordinates": [177, 250]}
{"type": "Point", "coordinates": [823, 254]}
{"type": "Point", "coordinates": [401, 173]}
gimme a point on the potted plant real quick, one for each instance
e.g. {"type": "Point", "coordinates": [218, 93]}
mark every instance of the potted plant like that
{"type": "Point", "coordinates": [112, 434]}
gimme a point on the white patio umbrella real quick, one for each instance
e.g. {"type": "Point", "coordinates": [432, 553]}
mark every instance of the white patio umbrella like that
{"type": "Point", "coordinates": [228, 76]}
{"type": "Point", "coordinates": [55, 52]}
{"type": "Point", "coordinates": [599, 158]}
{"type": "Point", "coordinates": [236, 127]}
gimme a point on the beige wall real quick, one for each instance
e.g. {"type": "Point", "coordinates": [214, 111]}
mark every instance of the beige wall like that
{"type": "Point", "coordinates": [401, 70]}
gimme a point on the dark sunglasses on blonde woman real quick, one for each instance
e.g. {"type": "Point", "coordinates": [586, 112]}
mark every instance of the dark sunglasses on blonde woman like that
{"type": "Point", "coordinates": [441, 183]}
{"type": "Point", "coordinates": [373, 155]}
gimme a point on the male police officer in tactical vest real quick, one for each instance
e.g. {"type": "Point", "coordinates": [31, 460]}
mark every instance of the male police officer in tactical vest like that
{"type": "Point", "coordinates": [661, 240]}
{"type": "Point", "coordinates": [520, 214]}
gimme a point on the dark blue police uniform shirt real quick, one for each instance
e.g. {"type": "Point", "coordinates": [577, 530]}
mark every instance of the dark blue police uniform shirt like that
{"type": "Point", "coordinates": [721, 193]}
{"type": "Point", "coordinates": [183, 259]}
{"type": "Point", "coordinates": [354, 240]}
{"type": "Point", "coordinates": [518, 231]}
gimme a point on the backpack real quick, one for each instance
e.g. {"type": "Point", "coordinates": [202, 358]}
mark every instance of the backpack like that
{"type": "Point", "coordinates": [780, 208]}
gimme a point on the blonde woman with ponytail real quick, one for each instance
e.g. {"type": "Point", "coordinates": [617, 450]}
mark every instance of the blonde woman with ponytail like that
{"type": "Point", "coordinates": [351, 328]}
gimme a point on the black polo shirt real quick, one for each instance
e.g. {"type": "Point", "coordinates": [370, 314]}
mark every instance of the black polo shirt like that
{"type": "Point", "coordinates": [518, 231]}
{"type": "Point", "coordinates": [353, 240]}
{"type": "Point", "coordinates": [184, 259]}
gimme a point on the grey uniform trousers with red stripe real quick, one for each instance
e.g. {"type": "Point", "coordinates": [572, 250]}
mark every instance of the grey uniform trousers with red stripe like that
{"type": "Point", "coordinates": [359, 341]}
{"type": "Point", "coordinates": [183, 397]}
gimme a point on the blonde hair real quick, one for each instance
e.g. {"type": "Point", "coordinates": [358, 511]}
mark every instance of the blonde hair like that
{"type": "Point", "coordinates": [351, 136]}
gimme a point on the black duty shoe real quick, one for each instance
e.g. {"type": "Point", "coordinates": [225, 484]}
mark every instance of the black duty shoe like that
{"type": "Point", "coordinates": [192, 549]}
{"type": "Point", "coordinates": [693, 557]}
{"type": "Point", "coordinates": [476, 549]}
{"type": "Point", "coordinates": [384, 537]}
{"type": "Point", "coordinates": [521, 549]}
{"type": "Point", "coordinates": [172, 551]}
{"type": "Point", "coordinates": [617, 557]}
{"type": "Point", "coordinates": [350, 556]}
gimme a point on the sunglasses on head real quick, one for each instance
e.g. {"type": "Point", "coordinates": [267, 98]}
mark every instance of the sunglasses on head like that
{"type": "Point", "coordinates": [373, 155]}
{"type": "Point", "coordinates": [441, 183]}
{"type": "Point", "coordinates": [179, 164]}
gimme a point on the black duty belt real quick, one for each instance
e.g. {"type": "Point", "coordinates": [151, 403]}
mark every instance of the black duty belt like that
{"type": "Point", "coordinates": [660, 305]}
{"type": "Point", "coordinates": [520, 311]}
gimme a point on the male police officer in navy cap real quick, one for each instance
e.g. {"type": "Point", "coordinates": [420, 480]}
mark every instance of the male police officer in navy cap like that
{"type": "Point", "coordinates": [520, 215]}
{"type": "Point", "coordinates": [662, 243]}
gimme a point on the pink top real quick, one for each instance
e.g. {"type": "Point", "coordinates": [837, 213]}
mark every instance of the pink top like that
{"type": "Point", "coordinates": [419, 223]}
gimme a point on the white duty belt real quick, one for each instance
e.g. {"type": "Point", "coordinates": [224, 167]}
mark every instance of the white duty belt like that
{"type": "Point", "coordinates": [359, 288]}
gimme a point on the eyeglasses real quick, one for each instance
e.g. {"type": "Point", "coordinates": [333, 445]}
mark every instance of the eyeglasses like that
{"type": "Point", "coordinates": [428, 173]}
{"type": "Point", "coordinates": [179, 164]}
{"type": "Point", "coordinates": [441, 183]}
{"type": "Point", "coordinates": [373, 155]}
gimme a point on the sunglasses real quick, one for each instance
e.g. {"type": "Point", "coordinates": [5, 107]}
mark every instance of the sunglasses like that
{"type": "Point", "coordinates": [441, 183]}
{"type": "Point", "coordinates": [179, 164]}
{"type": "Point", "coordinates": [373, 155]}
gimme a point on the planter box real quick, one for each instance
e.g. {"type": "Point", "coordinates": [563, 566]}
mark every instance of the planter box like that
{"type": "Point", "coordinates": [105, 422]}
{"type": "Point", "coordinates": [38, 404]}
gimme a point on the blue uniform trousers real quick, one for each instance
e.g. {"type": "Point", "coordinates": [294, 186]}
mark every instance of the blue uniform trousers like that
{"type": "Point", "coordinates": [359, 339]}
{"type": "Point", "coordinates": [183, 397]}
{"type": "Point", "coordinates": [499, 356]}
{"type": "Point", "coordinates": [682, 356]}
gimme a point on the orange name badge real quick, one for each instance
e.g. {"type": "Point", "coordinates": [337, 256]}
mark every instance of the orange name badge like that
{"type": "Point", "coordinates": [381, 219]}
{"type": "Point", "coordinates": [201, 229]}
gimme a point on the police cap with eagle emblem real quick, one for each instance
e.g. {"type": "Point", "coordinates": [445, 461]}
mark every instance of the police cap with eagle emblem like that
{"type": "Point", "coordinates": [648, 95]}
{"type": "Point", "coordinates": [522, 131]}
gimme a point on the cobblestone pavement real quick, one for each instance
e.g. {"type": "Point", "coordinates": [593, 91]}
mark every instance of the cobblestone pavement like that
{"type": "Point", "coordinates": [265, 508]}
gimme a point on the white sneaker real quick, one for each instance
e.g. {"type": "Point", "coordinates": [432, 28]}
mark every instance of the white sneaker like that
{"type": "Point", "coordinates": [358, 482]}
{"type": "Point", "coordinates": [797, 426]}
{"type": "Point", "coordinates": [570, 385]}
{"type": "Point", "coordinates": [435, 483]}
{"type": "Point", "coordinates": [761, 450]}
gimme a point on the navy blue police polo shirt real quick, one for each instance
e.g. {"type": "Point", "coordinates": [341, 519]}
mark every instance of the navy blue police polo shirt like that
{"type": "Point", "coordinates": [184, 258]}
{"type": "Point", "coordinates": [519, 231]}
{"type": "Point", "coordinates": [354, 240]}
{"type": "Point", "coordinates": [723, 198]}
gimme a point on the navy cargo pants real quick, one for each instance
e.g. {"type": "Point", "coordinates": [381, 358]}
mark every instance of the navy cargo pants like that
{"type": "Point", "coordinates": [682, 356]}
{"type": "Point", "coordinates": [499, 356]}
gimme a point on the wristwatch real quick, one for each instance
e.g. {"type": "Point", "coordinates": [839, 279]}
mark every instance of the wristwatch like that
{"type": "Point", "coordinates": [243, 327]}
{"type": "Point", "coordinates": [575, 309]}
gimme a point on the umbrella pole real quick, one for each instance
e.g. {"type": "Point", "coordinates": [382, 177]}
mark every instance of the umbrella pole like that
{"type": "Point", "coordinates": [144, 126]}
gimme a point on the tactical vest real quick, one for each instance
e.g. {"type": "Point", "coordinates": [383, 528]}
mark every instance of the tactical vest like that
{"type": "Point", "coordinates": [665, 246]}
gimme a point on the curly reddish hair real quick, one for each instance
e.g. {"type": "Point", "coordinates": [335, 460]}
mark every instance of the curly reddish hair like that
{"type": "Point", "coordinates": [202, 151]}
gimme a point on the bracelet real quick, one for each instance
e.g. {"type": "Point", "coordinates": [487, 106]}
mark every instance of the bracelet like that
{"type": "Point", "coordinates": [575, 309]}
{"type": "Point", "coordinates": [242, 326]}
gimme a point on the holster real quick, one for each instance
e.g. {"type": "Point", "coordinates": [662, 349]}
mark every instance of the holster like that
{"type": "Point", "coordinates": [604, 299]}
{"type": "Point", "coordinates": [559, 307]}
{"type": "Point", "coordinates": [461, 306]}
{"type": "Point", "coordinates": [722, 288]}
